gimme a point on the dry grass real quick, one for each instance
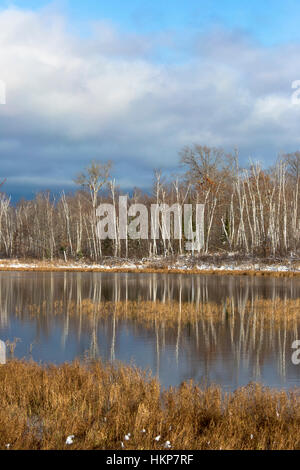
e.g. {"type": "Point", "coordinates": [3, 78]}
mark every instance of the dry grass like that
{"type": "Point", "coordinates": [271, 313]}
{"type": "Point", "coordinates": [151, 268]}
{"type": "Point", "coordinates": [40, 407]}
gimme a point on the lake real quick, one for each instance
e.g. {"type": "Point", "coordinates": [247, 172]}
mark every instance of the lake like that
{"type": "Point", "coordinates": [228, 330]}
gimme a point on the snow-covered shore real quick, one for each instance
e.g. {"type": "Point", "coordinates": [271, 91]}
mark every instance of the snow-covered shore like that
{"type": "Point", "coordinates": [184, 265]}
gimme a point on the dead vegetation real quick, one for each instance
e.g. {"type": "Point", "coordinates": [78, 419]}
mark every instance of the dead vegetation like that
{"type": "Point", "coordinates": [150, 268]}
{"type": "Point", "coordinates": [41, 406]}
{"type": "Point", "coordinates": [279, 314]}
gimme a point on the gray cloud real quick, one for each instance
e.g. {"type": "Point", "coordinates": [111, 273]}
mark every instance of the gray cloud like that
{"type": "Point", "coordinates": [72, 99]}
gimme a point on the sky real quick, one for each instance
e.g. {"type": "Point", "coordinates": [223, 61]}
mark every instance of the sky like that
{"type": "Point", "coordinates": [136, 81]}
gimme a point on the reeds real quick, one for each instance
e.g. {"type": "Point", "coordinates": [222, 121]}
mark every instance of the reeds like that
{"type": "Point", "coordinates": [150, 268]}
{"type": "Point", "coordinates": [100, 405]}
{"type": "Point", "coordinates": [272, 313]}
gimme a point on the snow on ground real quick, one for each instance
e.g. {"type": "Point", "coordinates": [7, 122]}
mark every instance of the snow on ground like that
{"type": "Point", "coordinates": [77, 266]}
{"type": "Point", "coordinates": [180, 265]}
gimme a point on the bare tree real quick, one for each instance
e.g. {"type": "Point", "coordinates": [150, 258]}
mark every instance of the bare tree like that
{"type": "Point", "coordinates": [94, 178]}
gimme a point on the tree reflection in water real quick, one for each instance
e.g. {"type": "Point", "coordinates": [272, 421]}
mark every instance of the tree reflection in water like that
{"type": "Point", "coordinates": [229, 330]}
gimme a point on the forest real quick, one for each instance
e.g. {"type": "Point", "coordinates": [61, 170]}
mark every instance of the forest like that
{"type": "Point", "coordinates": [250, 210]}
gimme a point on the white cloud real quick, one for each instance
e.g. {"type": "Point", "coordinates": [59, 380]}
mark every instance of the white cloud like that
{"type": "Point", "coordinates": [71, 99]}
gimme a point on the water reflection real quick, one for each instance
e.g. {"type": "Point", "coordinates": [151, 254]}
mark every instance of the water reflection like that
{"type": "Point", "coordinates": [224, 329]}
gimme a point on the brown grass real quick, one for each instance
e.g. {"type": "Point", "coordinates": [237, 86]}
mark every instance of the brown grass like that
{"type": "Point", "coordinates": [162, 268]}
{"type": "Point", "coordinates": [41, 406]}
{"type": "Point", "coordinates": [272, 313]}
{"type": "Point", "coordinates": [216, 272]}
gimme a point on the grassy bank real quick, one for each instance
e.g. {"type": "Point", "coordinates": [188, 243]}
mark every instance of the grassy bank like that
{"type": "Point", "coordinates": [267, 314]}
{"type": "Point", "coordinates": [217, 265]}
{"type": "Point", "coordinates": [99, 405]}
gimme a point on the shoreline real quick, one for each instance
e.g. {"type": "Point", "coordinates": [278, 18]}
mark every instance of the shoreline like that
{"type": "Point", "coordinates": [242, 269]}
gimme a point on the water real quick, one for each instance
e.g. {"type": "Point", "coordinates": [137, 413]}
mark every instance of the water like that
{"type": "Point", "coordinates": [228, 330]}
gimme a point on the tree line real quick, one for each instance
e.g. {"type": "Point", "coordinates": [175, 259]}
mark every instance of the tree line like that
{"type": "Point", "coordinates": [250, 210]}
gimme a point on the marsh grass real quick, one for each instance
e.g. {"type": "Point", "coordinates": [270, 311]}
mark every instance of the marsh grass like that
{"type": "Point", "coordinates": [270, 313]}
{"type": "Point", "coordinates": [41, 406]}
{"type": "Point", "coordinates": [162, 266]}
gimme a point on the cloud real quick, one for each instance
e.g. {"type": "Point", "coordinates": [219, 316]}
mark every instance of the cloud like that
{"type": "Point", "coordinates": [72, 99]}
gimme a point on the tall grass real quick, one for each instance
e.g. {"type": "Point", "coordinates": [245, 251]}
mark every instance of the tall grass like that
{"type": "Point", "coordinates": [99, 405]}
{"type": "Point", "coordinates": [272, 313]}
